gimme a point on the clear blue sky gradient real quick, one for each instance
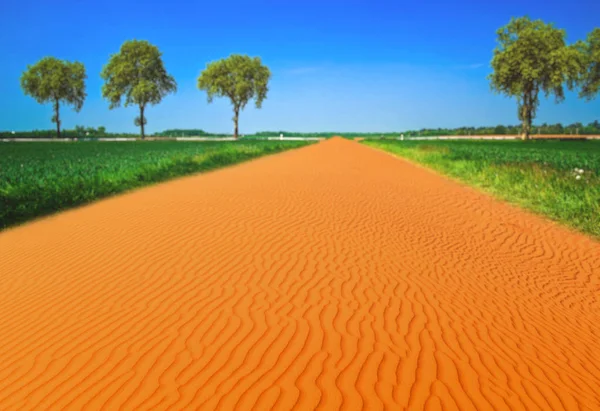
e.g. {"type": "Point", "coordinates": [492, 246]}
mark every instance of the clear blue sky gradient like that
{"type": "Point", "coordinates": [347, 65]}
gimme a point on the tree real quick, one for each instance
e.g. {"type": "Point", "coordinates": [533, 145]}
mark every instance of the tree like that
{"type": "Point", "coordinates": [590, 80]}
{"type": "Point", "coordinates": [558, 129]}
{"type": "Point", "coordinates": [532, 56]}
{"type": "Point", "coordinates": [55, 81]}
{"type": "Point", "coordinates": [500, 129]}
{"type": "Point", "coordinates": [240, 78]}
{"type": "Point", "coordinates": [138, 74]}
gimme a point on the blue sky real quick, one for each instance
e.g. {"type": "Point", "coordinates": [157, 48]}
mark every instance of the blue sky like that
{"type": "Point", "coordinates": [347, 65]}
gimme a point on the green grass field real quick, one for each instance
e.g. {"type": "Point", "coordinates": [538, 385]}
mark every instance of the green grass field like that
{"type": "Point", "coordinates": [37, 179]}
{"type": "Point", "coordinates": [537, 175]}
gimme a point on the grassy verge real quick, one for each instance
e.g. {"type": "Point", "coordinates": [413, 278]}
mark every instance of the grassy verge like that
{"type": "Point", "coordinates": [538, 175]}
{"type": "Point", "coordinates": [38, 179]}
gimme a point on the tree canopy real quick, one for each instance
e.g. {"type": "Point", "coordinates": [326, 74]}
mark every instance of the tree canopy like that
{"type": "Point", "coordinates": [240, 78]}
{"type": "Point", "coordinates": [532, 56]}
{"type": "Point", "coordinates": [590, 82]}
{"type": "Point", "coordinates": [51, 80]}
{"type": "Point", "coordinates": [136, 74]}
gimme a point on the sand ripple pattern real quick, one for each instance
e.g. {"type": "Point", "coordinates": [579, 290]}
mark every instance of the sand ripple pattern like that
{"type": "Point", "coordinates": [330, 277]}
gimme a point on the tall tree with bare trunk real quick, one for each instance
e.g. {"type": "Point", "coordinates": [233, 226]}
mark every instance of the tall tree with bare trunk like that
{"type": "Point", "coordinates": [532, 56]}
{"type": "Point", "coordinates": [55, 81]}
{"type": "Point", "coordinates": [138, 74]}
{"type": "Point", "coordinates": [240, 78]}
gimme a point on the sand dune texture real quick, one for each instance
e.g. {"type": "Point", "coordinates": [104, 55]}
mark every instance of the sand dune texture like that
{"type": "Point", "coordinates": [333, 276]}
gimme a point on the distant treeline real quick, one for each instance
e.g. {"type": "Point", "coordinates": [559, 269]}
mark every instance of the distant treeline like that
{"type": "Point", "coordinates": [558, 128]}
{"type": "Point", "coordinates": [193, 132]}
{"type": "Point", "coordinates": [77, 132]}
{"type": "Point", "coordinates": [91, 132]}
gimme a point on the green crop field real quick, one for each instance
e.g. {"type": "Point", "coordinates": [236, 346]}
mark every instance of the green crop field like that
{"type": "Point", "coordinates": [558, 179]}
{"type": "Point", "coordinates": [37, 179]}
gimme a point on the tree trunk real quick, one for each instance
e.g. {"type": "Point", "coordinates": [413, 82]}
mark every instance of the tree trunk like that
{"type": "Point", "coordinates": [525, 135]}
{"type": "Point", "coordinates": [526, 116]}
{"type": "Point", "coordinates": [142, 121]}
{"type": "Point", "coordinates": [236, 116]}
{"type": "Point", "coordinates": [57, 117]}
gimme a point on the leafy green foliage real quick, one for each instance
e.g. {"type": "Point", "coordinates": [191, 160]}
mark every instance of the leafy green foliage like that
{"type": "Point", "coordinates": [139, 121]}
{"type": "Point", "coordinates": [532, 56]}
{"type": "Point", "coordinates": [55, 81]}
{"type": "Point", "coordinates": [590, 81]}
{"type": "Point", "coordinates": [40, 178]}
{"type": "Point", "coordinates": [538, 175]}
{"type": "Point", "coordinates": [239, 78]}
{"type": "Point", "coordinates": [136, 74]}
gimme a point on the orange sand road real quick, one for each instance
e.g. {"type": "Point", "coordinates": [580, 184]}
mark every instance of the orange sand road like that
{"type": "Point", "coordinates": [334, 276]}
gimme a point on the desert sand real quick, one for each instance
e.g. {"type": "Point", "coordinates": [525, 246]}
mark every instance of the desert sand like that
{"type": "Point", "coordinates": [334, 276]}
